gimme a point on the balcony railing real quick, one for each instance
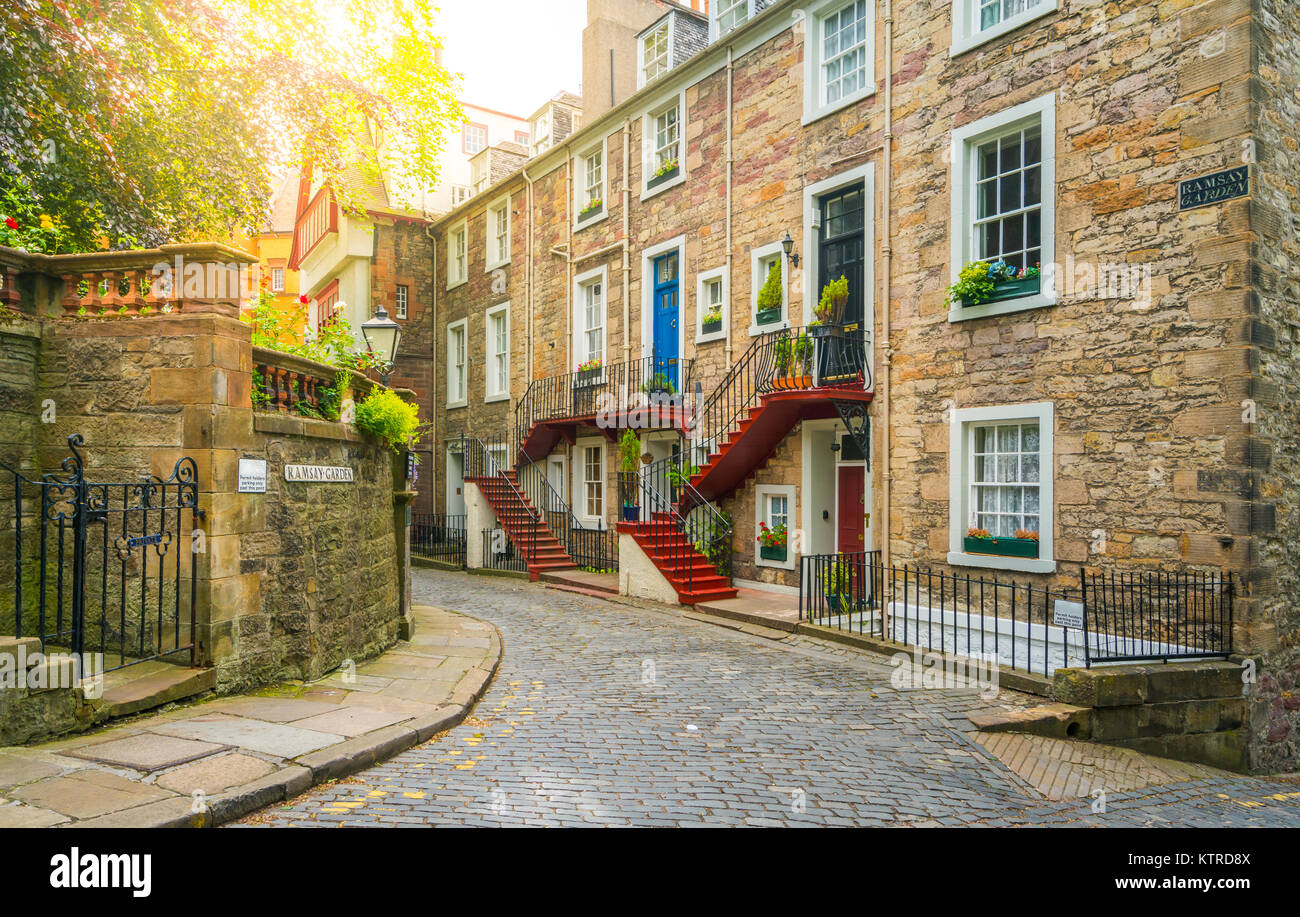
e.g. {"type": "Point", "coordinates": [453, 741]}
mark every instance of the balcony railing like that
{"type": "Point", "coordinates": [319, 220]}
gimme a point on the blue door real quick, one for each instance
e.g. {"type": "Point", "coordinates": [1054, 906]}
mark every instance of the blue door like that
{"type": "Point", "coordinates": [666, 307]}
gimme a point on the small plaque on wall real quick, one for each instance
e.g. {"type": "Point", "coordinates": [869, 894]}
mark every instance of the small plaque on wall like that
{"type": "Point", "coordinates": [252, 476]}
{"type": "Point", "coordinates": [318, 474]}
{"type": "Point", "coordinates": [1214, 189]}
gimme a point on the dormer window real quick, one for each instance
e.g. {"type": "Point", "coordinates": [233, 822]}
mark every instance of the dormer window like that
{"type": "Point", "coordinates": [731, 14]}
{"type": "Point", "coordinates": [655, 60]}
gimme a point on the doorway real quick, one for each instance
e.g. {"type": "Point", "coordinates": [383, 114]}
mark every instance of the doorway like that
{"type": "Point", "coordinates": [666, 303]}
{"type": "Point", "coordinates": [841, 247]}
{"type": "Point", "coordinates": [455, 484]}
{"type": "Point", "coordinates": [850, 508]}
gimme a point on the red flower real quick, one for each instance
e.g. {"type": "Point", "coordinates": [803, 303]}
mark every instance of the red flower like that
{"type": "Point", "coordinates": [11, 222]}
{"type": "Point", "coordinates": [302, 298]}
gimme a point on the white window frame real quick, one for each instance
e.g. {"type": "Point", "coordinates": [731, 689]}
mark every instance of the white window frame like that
{"type": "Point", "coordinates": [454, 386]}
{"type": "Point", "coordinates": [467, 132]}
{"type": "Point", "coordinates": [757, 277]}
{"type": "Point", "coordinates": [964, 142]}
{"type": "Point", "coordinates": [649, 144]}
{"type": "Point", "coordinates": [579, 504]}
{"type": "Point", "coordinates": [496, 256]}
{"type": "Point", "coordinates": [579, 319]}
{"type": "Point", "coordinates": [648, 256]}
{"type": "Point", "coordinates": [960, 468]}
{"type": "Point", "coordinates": [492, 391]}
{"type": "Point", "coordinates": [460, 194]}
{"type": "Point", "coordinates": [641, 78]}
{"type": "Point", "coordinates": [716, 10]}
{"type": "Point", "coordinates": [458, 250]}
{"type": "Point", "coordinates": [864, 175]}
{"type": "Point", "coordinates": [814, 104]}
{"type": "Point", "coordinates": [401, 300]}
{"type": "Point", "coordinates": [277, 280]}
{"type": "Point", "coordinates": [702, 281]}
{"type": "Point", "coordinates": [761, 494]}
{"type": "Point", "coordinates": [580, 187]}
{"type": "Point", "coordinates": [966, 35]}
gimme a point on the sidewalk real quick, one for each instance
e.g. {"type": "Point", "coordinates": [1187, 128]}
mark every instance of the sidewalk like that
{"type": "Point", "coordinates": [215, 761]}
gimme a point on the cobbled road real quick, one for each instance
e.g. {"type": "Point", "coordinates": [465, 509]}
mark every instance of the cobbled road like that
{"type": "Point", "coordinates": [610, 714]}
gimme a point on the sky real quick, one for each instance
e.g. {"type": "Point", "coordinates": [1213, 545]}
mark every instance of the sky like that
{"type": "Point", "coordinates": [513, 54]}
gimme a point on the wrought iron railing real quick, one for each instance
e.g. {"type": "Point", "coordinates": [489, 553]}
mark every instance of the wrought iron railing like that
{"type": "Point", "coordinates": [482, 467]}
{"type": "Point", "coordinates": [588, 546]}
{"type": "Point", "coordinates": [680, 520]}
{"type": "Point", "coordinates": [1156, 614]}
{"type": "Point", "coordinates": [439, 537]}
{"type": "Point", "coordinates": [500, 553]}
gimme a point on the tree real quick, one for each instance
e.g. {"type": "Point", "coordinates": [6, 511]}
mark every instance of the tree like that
{"type": "Point", "coordinates": [136, 122]}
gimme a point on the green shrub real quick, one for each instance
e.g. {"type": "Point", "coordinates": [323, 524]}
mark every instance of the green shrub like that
{"type": "Point", "coordinates": [390, 418]}
{"type": "Point", "coordinates": [769, 295]}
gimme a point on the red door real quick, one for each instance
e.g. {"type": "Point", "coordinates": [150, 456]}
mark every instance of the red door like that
{"type": "Point", "coordinates": [850, 533]}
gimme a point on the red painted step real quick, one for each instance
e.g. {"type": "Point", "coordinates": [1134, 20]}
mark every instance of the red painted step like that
{"type": "Point", "coordinates": [688, 571]}
{"type": "Point", "coordinates": [540, 549]}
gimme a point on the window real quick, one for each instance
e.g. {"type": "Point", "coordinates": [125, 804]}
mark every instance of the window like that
{"type": "Point", "coordinates": [662, 163]}
{"type": "Point", "coordinates": [460, 194]}
{"type": "Point", "coordinates": [456, 392]}
{"type": "Point", "coordinates": [589, 323]}
{"type": "Point", "coordinates": [774, 507]}
{"type": "Point", "coordinates": [1003, 199]}
{"type": "Point", "coordinates": [474, 138]}
{"type": "Point", "coordinates": [498, 234]}
{"type": "Point", "coordinates": [402, 294]}
{"type": "Point", "coordinates": [478, 174]}
{"type": "Point", "coordinates": [654, 53]}
{"type": "Point", "coordinates": [593, 482]}
{"type": "Point", "coordinates": [277, 279]}
{"type": "Point", "coordinates": [667, 132]}
{"type": "Point", "coordinates": [456, 255]}
{"type": "Point", "coordinates": [728, 14]}
{"type": "Point", "coordinates": [593, 179]}
{"type": "Point", "coordinates": [978, 21]}
{"type": "Point", "coordinates": [711, 305]}
{"type": "Point", "coordinates": [1001, 464]}
{"type": "Point", "coordinates": [541, 133]}
{"type": "Point", "coordinates": [764, 259]}
{"type": "Point", "coordinates": [498, 353]}
{"type": "Point", "coordinates": [521, 138]}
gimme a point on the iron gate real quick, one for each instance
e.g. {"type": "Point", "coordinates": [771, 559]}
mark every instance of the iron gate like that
{"type": "Point", "coordinates": [103, 568]}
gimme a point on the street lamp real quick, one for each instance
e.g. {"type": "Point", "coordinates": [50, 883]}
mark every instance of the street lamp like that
{"type": "Point", "coordinates": [382, 337]}
{"type": "Point", "coordinates": [787, 245]}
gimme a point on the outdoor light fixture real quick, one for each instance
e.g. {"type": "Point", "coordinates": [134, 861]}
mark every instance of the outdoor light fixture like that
{"type": "Point", "coordinates": [788, 245]}
{"type": "Point", "coordinates": [382, 337]}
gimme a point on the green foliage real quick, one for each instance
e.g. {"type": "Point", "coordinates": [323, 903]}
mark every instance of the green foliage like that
{"type": "Point", "coordinates": [387, 416]}
{"type": "Point", "coordinates": [137, 122]}
{"type": "Point", "coordinates": [716, 547]}
{"type": "Point", "coordinates": [260, 398]}
{"type": "Point", "coordinates": [769, 296]}
{"type": "Point", "coordinates": [629, 451]}
{"type": "Point", "coordinates": [659, 382]}
{"type": "Point", "coordinates": [680, 475]}
{"type": "Point", "coordinates": [974, 285]}
{"type": "Point", "coordinates": [834, 295]}
{"type": "Point", "coordinates": [276, 328]}
{"type": "Point", "coordinates": [329, 400]}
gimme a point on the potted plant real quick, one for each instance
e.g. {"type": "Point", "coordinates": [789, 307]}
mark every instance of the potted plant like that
{"type": "Point", "coordinates": [768, 305]}
{"type": "Point", "coordinates": [679, 476]}
{"type": "Point", "coordinates": [837, 585]}
{"type": "Point", "coordinates": [801, 361]}
{"type": "Point", "coordinates": [772, 541]}
{"type": "Point", "coordinates": [629, 454]}
{"type": "Point", "coordinates": [589, 371]}
{"type": "Point", "coordinates": [659, 384]}
{"type": "Point", "coordinates": [981, 541]}
{"type": "Point", "coordinates": [666, 172]}
{"type": "Point", "coordinates": [982, 281]}
{"type": "Point", "coordinates": [593, 207]}
{"type": "Point", "coordinates": [830, 308]}
{"type": "Point", "coordinates": [712, 320]}
{"type": "Point", "coordinates": [783, 352]}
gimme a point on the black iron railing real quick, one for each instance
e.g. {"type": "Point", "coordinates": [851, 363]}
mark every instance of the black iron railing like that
{"type": "Point", "coordinates": [611, 388]}
{"type": "Point", "coordinates": [500, 553]}
{"type": "Point", "coordinates": [483, 468]}
{"type": "Point", "coordinates": [439, 537]}
{"type": "Point", "coordinates": [589, 546]}
{"type": "Point", "coordinates": [1156, 614]}
{"type": "Point", "coordinates": [680, 521]}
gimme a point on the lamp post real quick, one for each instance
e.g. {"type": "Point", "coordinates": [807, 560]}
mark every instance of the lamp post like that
{"type": "Point", "coordinates": [382, 337]}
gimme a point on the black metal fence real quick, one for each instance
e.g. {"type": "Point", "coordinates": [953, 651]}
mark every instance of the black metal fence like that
{"type": "Point", "coordinates": [105, 568]}
{"type": "Point", "coordinates": [500, 553]}
{"type": "Point", "coordinates": [1157, 614]}
{"type": "Point", "coordinates": [439, 537]}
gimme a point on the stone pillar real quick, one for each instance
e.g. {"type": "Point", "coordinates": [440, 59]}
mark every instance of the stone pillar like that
{"type": "Point", "coordinates": [402, 499]}
{"type": "Point", "coordinates": [478, 516]}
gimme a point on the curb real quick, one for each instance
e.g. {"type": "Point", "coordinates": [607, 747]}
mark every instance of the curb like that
{"type": "Point", "coordinates": [302, 773]}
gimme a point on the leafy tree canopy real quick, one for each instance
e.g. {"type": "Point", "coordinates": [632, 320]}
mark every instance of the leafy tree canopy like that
{"type": "Point", "coordinates": [127, 123]}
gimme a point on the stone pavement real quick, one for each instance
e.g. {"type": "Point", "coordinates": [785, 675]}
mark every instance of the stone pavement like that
{"type": "Point", "coordinates": [609, 713]}
{"type": "Point", "coordinates": [210, 762]}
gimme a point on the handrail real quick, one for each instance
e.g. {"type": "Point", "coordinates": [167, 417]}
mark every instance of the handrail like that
{"type": "Point", "coordinates": [487, 464]}
{"type": "Point", "coordinates": [700, 534]}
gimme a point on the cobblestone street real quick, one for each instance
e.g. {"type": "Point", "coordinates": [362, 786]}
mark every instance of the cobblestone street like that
{"type": "Point", "coordinates": [611, 714]}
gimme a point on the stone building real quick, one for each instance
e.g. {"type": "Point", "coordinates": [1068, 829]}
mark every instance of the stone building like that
{"type": "Point", "coordinates": [1127, 403]}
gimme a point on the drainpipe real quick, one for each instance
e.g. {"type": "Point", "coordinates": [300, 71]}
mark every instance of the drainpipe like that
{"type": "Point", "coordinates": [528, 276]}
{"type": "Point", "coordinates": [627, 259]}
{"type": "Point", "coordinates": [730, 160]}
{"type": "Point", "coordinates": [887, 253]}
{"type": "Point", "coordinates": [568, 287]}
{"type": "Point", "coordinates": [433, 318]}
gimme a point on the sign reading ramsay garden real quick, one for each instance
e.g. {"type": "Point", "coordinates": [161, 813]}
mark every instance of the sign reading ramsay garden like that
{"type": "Point", "coordinates": [1214, 189]}
{"type": "Point", "coordinates": [318, 474]}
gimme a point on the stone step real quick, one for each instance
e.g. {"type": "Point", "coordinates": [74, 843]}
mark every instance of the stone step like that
{"type": "Point", "coordinates": [157, 687]}
{"type": "Point", "coordinates": [1061, 721]}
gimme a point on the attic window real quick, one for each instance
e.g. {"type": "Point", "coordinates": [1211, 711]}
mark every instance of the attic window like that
{"type": "Point", "coordinates": [654, 53]}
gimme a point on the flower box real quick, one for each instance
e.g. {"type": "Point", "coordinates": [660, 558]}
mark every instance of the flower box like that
{"type": "Point", "coordinates": [588, 376]}
{"type": "Point", "coordinates": [767, 316]}
{"type": "Point", "coordinates": [631, 513]}
{"type": "Point", "coordinates": [771, 552]}
{"type": "Point", "coordinates": [1002, 547]}
{"type": "Point", "coordinates": [708, 327]}
{"type": "Point", "coordinates": [591, 211]}
{"type": "Point", "coordinates": [663, 178]}
{"type": "Point", "coordinates": [1012, 289]}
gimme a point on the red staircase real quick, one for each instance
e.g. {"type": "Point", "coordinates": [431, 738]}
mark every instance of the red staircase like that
{"type": "Point", "coordinates": [524, 525]}
{"type": "Point", "coordinates": [686, 569]}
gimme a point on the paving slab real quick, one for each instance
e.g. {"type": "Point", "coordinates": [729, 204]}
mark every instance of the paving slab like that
{"type": "Point", "coordinates": [271, 709]}
{"type": "Point", "coordinates": [352, 721]}
{"type": "Point", "coordinates": [148, 752]}
{"type": "Point", "coordinates": [17, 768]}
{"type": "Point", "coordinates": [89, 793]}
{"type": "Point", "coordinates": [277, 739]}
{"type": "Point", "coordinates": [216, 774]}
{"type": "Point", "coordinates": [18, 815]}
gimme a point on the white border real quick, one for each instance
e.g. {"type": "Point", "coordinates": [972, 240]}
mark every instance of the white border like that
{"type": "Point", "coordinates": [647, 145]}
{"type": "Point", "coordinates": [761, 493]}
{"type": "Point", "coordinates": [964, 36]}
{"type": "Point", "coordinates": [964, 139]}
{"type": "Point", "coordinates": [602, 147]}
{"type": "Point", "coordinates": [489, 236]}
{"type": "Point", "coordinates": [703, 277]}
{"type": "Point", "coordinates": [648, 255]}
{"type": "Point", "coordinates": [670, 18]}
{"type": "Point", "coordinates": [756, 254]}
{"type": "Point", "coordinates": [813, 106]}
{"type": "Point", "coordinates": [866, 174]}
{"type": "Point", "coordinates": [959, 471]}
{"type": "Point", "coordinates": [579, 504]}
{"type": "Point", "coordinates": [453, 280]}
{"type": "Point", "coordinates": [713, 19]}
{"type": "Point", "coordinates": [463, 325]}
{"type": "Point", "coordinates": [578, 321]}
{"type": "Point", "coordinates": [489, 395]}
